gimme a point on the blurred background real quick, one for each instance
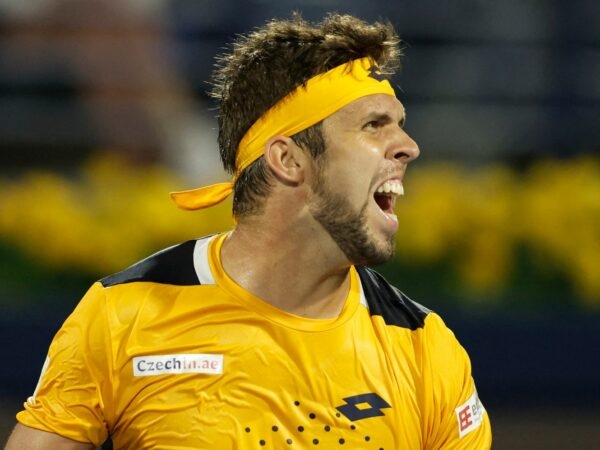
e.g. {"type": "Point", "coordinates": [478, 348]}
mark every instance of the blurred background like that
{"type": "Point", "coordinates": [103, 111]}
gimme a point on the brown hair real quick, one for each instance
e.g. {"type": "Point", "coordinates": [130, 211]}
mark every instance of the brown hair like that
{"type": "Point", "coordinates": [267, 64]}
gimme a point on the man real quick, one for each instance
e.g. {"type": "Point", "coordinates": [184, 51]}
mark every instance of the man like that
{"type": "Point", "coordinates": [275, 334]}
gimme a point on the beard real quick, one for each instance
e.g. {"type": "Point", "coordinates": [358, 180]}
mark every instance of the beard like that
{"type": "Point", "coordinates": [348, 227]}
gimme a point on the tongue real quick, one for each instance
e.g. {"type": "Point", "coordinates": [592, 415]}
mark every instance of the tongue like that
{"type": "Point", "coordinates": [383, 201]}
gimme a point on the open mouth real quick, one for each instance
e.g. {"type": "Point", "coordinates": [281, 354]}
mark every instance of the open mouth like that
{"type": "Point", "coordinates": [386, 195]}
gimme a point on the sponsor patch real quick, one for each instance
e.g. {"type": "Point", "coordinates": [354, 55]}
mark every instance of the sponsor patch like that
{"type": "Point", "coordinates": [151, 365]}
{"type": "Point", "coordinates": [469, 415]}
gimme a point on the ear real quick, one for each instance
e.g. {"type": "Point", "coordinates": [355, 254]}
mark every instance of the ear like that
{"type": "Point", "coordinates": [286, 160]}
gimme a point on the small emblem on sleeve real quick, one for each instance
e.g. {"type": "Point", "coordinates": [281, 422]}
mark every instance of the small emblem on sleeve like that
{"type": "Point", "coordinates": [469, 415]}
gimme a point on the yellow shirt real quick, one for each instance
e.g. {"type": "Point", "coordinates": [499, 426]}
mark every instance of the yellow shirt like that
{"type": "Point", "coordinates": [172, 354]}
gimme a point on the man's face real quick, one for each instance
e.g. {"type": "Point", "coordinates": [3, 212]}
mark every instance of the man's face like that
{"type": "Point", "coordinates": [359, 177]}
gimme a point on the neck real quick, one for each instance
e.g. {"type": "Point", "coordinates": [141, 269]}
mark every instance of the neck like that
{"type": "Point", "coordinates": [288, 267]}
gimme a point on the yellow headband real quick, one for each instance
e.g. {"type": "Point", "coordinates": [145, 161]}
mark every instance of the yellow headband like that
{"type": "Point", "coordinates": [305, 106]}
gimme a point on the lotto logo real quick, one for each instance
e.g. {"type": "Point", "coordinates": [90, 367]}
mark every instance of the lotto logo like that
{"type": "Point", "coordinates": [469, 415]}
{"type": "Point", "coordinates": [375, 73]}
{"type": "Point", "coordinates": [363, 406]}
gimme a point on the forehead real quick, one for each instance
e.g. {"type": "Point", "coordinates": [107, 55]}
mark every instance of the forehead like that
{"type": "Point", "coordinates": [376, 104]}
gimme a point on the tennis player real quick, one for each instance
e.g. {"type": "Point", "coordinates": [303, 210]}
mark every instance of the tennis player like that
{"type": "Point", "coordinates": [276, 334]}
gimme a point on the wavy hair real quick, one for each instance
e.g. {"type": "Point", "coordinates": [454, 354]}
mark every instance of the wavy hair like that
{"type": "Point", "coordinates": [265, 65]}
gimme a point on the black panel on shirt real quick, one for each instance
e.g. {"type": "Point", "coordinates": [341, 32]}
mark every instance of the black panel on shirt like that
{"type": "Point", "coordinates": [389, 302]}
{"type": "Point", "coordinates": [174, 265]}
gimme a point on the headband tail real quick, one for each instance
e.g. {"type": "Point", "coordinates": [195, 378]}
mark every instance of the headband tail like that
{"type": "Point", "coordinates": [203, 197]}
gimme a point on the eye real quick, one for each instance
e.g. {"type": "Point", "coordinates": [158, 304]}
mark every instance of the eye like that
{"type": "Point", "coordinates": [374, 122]}
{"type": "Point", "coordinates": [372, 125]}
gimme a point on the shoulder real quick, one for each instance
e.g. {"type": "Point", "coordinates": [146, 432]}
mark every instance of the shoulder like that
{"type": "Point", "coordinates": [176, 265]}
{"type": "Point", "coordinates": [396, 309]}
{"type": "Point", "coordinates": [387, 301]}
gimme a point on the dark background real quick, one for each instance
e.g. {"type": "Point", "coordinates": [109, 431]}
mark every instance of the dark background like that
{"type": "Point", "coordinates": [483, 82]}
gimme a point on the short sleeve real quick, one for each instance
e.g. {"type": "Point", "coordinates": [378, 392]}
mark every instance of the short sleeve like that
{"type": "Point", "coordinates": [74, 387]}
{"type": "Point", "coordinates": [455, 417]}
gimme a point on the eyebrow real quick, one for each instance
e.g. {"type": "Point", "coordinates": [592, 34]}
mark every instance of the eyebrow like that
{"type": "Point", "coordinates": [385, 118]}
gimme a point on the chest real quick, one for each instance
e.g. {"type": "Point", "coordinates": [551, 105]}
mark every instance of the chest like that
{"type": "Point", "coordinates": [256, 385]}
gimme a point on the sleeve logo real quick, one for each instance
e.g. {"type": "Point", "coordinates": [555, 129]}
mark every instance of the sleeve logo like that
{"type": "Point", "coordinates": [469, 415]}
{"type": "Point", "coordinates": [146, 366]}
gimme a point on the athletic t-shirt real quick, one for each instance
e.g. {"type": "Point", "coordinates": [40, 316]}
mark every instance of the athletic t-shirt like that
{"type": "Point", "coordinates": [172, 354]}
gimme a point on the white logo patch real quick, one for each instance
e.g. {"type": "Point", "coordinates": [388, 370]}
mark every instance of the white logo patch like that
{"type": "Point", "coordinates": [151, 365]}
{"type": "Point", "coordinates": [469, 415]}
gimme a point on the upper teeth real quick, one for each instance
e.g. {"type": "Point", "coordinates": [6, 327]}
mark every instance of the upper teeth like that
{"type": "Point", "coordinates": [391, 187]}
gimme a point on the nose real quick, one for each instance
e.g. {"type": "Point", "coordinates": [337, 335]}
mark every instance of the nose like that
{"type": "Point", "coordinates": [404, 148]}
